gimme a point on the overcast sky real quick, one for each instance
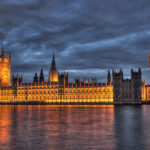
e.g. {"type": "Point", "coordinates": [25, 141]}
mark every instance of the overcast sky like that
{"type": "Point", "coordinates": [88, 37]}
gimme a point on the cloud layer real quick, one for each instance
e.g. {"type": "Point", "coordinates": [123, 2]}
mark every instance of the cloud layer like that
{"type": "Point", "coordinates": [88, 37]}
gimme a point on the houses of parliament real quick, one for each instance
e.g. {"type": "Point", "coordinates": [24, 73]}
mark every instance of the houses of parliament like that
{"type": "Point", "coordinates": [58, 90]}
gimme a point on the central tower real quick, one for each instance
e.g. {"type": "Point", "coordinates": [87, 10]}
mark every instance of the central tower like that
{"type": "Point", "coordinates": [53, 74]}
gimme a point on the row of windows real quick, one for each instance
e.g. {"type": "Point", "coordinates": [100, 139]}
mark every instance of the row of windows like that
{"type": "Point", "coordinates": [37, 92]}
{"type": "Point", "coordinates": [64, 100]}
{"type": "Point", "coordinates": [74, 89]}
{"type": "Point", "coordinates": [129, 96]}
{"type": "Point", "coordinates": [55, 87]}
{"type": "Point", "coordinates": [37, 88]}
{"type": "Point", "coordinates": [126, 87]}
{"type": "Point", "coordinates": [65, 97]}
{"type": "Point", "coordinates": [87, 91]}
{"type": "Point", "coordinates": [88, 97]}
{"type": "Point", "coordinates": [40, 92]}
{"type": "Point", "coordinates": [7, 93]}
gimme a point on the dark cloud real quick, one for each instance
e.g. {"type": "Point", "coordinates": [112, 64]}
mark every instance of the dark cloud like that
{"type": "Point", "coordinates": [88, 37]}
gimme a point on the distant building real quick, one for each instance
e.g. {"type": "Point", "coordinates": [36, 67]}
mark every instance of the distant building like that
{"type": "Point", "coordinates": [127, 91]}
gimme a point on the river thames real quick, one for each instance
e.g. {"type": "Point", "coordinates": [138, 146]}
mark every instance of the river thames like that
{"type": "Point", "coordinates": [45, 127]}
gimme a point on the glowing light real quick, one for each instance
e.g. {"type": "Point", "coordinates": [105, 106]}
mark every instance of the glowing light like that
{"type": "Point", "coordinates": [5, 70]}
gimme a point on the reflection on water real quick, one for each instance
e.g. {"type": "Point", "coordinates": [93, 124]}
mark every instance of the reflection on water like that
{"type": "Point", "coordinates": [74, 127]}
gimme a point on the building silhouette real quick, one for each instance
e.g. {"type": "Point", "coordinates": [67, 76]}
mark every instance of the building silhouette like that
{"type": "Point", "coordinates": [35, 78]}
{"type": "Point", "coordinates": [58, 90]}
{"type": "Point", "coordinates": [41, 76]}
{"type": "Point", "coordinates": [127, 90]}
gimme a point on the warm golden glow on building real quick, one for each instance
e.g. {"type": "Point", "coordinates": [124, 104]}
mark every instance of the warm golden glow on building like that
{"type": "Point", "coordinates": [53, 75]}
{"type": "Point", "coordinates": [145, 92]}
{"type": "Point", "coordinates": [55, 93]}
{"type": "Point", "coordinates": [5, 69]}
{"type": "Point", "coordinates": [58, 90]}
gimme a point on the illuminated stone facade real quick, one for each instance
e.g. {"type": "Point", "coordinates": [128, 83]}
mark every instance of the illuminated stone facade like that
{"type": "Point", "coordinates": [55, 92]}
{"type": "Point", "coordinates": [5, 69]}
{"type": "Point", "coordinates": [146, 92]}
{"type": "Point", "coordinates": [59, 90]}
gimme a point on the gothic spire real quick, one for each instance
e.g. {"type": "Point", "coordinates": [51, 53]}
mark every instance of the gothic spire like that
{"type": "Point", "coordinates": [53, 64]}
{"type": "Point", "coordinates": [2, 52]}
{"type": "Point", "coordinates": [41, 76]}
{"type": "Point", "coordinates": [108, 77]}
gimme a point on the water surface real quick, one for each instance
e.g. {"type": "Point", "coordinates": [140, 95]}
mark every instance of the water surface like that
{"type": "Point", "coordinates": [48, 127]}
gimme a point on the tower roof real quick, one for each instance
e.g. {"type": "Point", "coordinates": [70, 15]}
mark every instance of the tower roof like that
{"type": "Point", "coordinates": [2, 51]}
{"type": "Point", "coordinates": [53, 64]}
